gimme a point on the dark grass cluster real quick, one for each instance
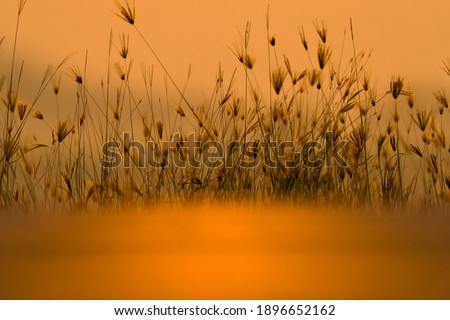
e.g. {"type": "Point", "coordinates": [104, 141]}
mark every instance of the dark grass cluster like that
{"type": "Point", "coordinates": [395, 154]}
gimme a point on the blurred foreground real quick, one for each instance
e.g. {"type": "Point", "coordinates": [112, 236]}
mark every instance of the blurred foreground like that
{"type": "Point", "coordinates": [234, 252]}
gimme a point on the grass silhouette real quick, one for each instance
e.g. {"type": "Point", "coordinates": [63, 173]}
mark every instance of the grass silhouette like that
{"type": "Point", "coordinates": [322, 134]}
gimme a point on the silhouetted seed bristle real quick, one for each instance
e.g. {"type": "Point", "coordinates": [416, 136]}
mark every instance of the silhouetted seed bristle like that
{"type": "Point", "coordinates": [441, 139]}
{"type": "Point", "coordinates": [303, 38]}
{"type": "Point", "coordinates": [127, 13]}
{"type": "Point", "coordinates": [21, 6]}
{"type": "Point", "coordinates": [321, 30]}
{"type": "Point", "coordinates": [397, 83]}
{"type": "Point", "coordinates": [312, 77]}
{"type": "Point", "coordinates": [446, 66]}
{"type": "Point", "coordinates": [423, 118]}
{"type": "Point", "coordinates": [411, 100]}
{"type": "Point", "coordinates": [288, 65]}
{"type": "Point", "coordinates": [75, 74]}
{"type": "Point", "coordinates": [67, 181]}
{"type": "Point", "coordinates": [390, 128]}
{"type": "Point", "coordinates": [276, 112]}
{"type": "Point", "coordinates": [82, 118]}
{"type": "Point", "coordinates": [119, 71]}
{"type": "Point", "coordinates": [62, 130]}
{"type": "Point", "coordinates": [298, 76]}
{"type": "Point", "coordinates": [332, 72]}
{"type": "Point", "coordinates": [243, 57]}
{"type": "Point", "coordinates": [393, 141]}
{"type": "Point", "coordinates": [323, 55]}
{"type": "Point", "coordinates": [10, 147]}
{"type": "Point", "coordinates": [38, 115]}
{"type": "Point", "coordinates": [416, 150]}
{"type": "Point", "coordinates": [442, 99]}
{"type": "Point", "coordinates": [124, 45]}
{"type": "Point", "coordinates": [21, 110]}
{"type": "Point", "coordinates": [272, 41]}
{"type": "Point", "coordinates": [319, 81]}
{"type": "Point", "coordinates": [358, 138]}
{"type": "Point", "coordinates": [235, 107]}
{"type": "Point", "coordinates": [225, 99]}
{"type": "Point", "coordinates": [116, 115]}
{"type": "Point", "coordinates": [249, 62]}
{"type": "Point", "coordinates": [373, 96]}
{"type": "Point", "coordinates": [11, 100]}
{"type": "Point", "coordinates": [447, 182]}
{"type": "Point", "coordinates": [159, 127]}
{"type": "Point", "coordinates": [432, 164]}
{"type": "Point", "coordinates": [380, 142]}
{"type": "Point", "coordinates": [56, 84]}
{"type": "Point", "coordinates": [180, 111]}
{"type": "Point", "coordinates": [366, 82]}
{"type": "Point", "coordinates": [278, 77]}
{"type": "Point", "coordinates": [349, 106]}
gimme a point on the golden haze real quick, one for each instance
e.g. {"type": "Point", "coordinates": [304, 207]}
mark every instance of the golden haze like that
{"type": "Point", "coordinates": [408, 37]}
{"type": "Point", "coordinates": [235, 252]}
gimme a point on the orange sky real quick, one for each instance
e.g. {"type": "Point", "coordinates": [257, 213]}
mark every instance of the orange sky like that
{"type": "Point", "coordinates": [407, 37]}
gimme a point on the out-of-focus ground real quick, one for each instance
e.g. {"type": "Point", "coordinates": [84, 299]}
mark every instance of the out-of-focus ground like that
{"type": "Point", "coordinates": [226, 252]}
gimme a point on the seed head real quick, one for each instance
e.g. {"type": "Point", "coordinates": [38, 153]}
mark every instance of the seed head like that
{"type": "Point", "coordinates": [411, 100]}
{"type": "Point", "coordinates": [119, 71]}
{"type": "Point", "coordinates": [397, 83]}
{"type": "Point", "coordinates": [446, 66]}
{"type": "Point", "coordinates": [21, 109]}
{"type": "Point", "coordinates": [63, 130]}
{"type": "Point", "coordinates": [416, 150]}
{"type": "Point", "coordinates": [38, 115]}
{"type": "Point", "coordinates": [159, 127]}
{"type": "Point", "coordinates": [358, 138]}
{"type": "Point", "coordinates": [278, 77]}
{"type": "Point", "coordinates": [432, 164]}
{"type": "Point", "coordinates": [180, 111]}
{"type": "Point", "coordinates": [366, 82]}
{"type": "Point", "coordinates": [127, 13]}
{"type": "Point", "coordinates": [124, 42]}
{"type": "Point", "coordinates": [321, 30]}
{"type": "Point", "coordinates": [56, 84]}
{"type": "Point", "coordinates": [272, 41]}
{"type": "Point", "coordinates": [249, 62]}
{"type": "Point", "coordinates": [75, 74]}
{"type": "Point", "coordinates": [323, 55]}
{"type": "Point", "coordinates": [442, 99]}
{"type": "Point", "coordinates": [422, 119]}
{"type": "Point", "coordinates": [393, 141]}
{"type": "Point", "coordinates": [381, 140]}
{"type": "Point", "coordinates": [10, 147]}
{"type": "Point", "coordinates": [303, 38]}
{"type": "Point", "coordinates": [11, 100]}
{"type": "Point", "coordinates": [313, 77]}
